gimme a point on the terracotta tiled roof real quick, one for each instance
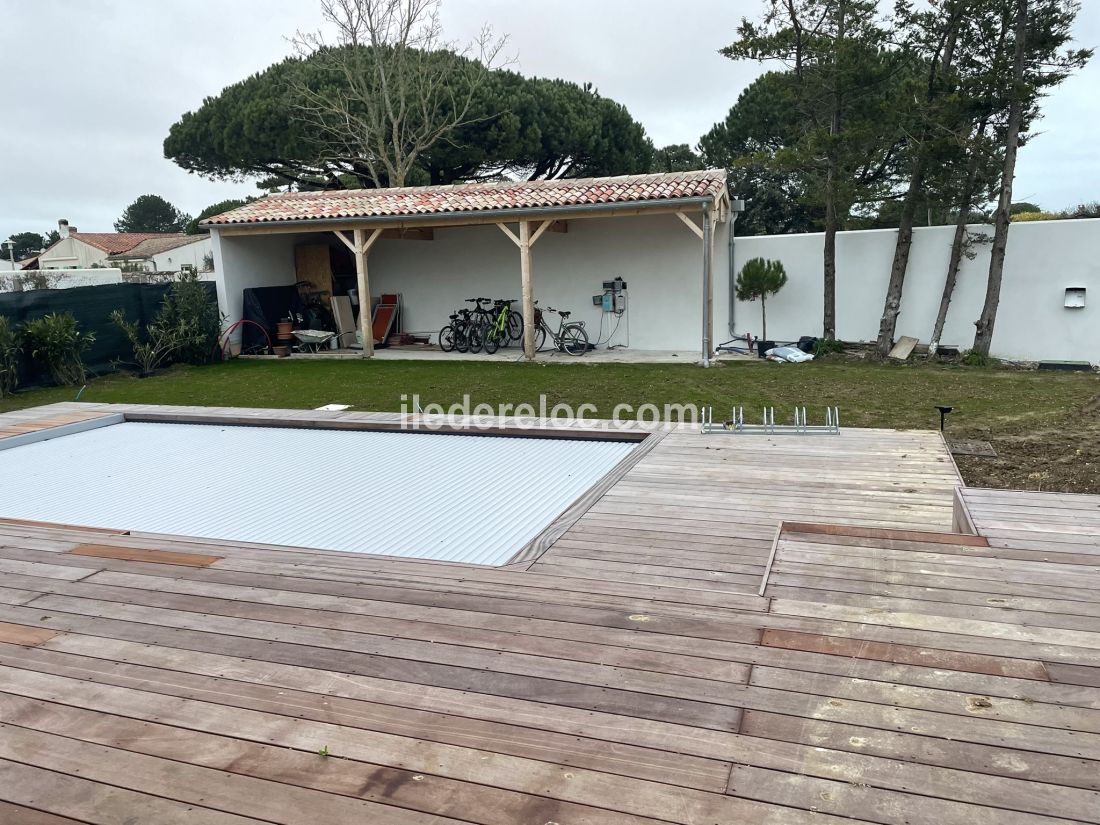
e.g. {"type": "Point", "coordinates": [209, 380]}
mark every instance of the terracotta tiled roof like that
{"type": "Point", "coordinates": [157, 244]}
{"type": "Point", "coordinates": [468, 197]}
{"type": "Point", "coordinates": [115, 242]}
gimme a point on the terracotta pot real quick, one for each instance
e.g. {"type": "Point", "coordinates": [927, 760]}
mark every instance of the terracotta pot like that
{"type": "Point", "coordinates": [284, 330]}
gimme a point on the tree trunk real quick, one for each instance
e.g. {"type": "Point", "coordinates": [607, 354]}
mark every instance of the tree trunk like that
{"type": "Point", "coordinates": [888, 325]}
{"type": "Point", "coordinates": [953, 265]}
{"type": "Point", "coordinates": [832, 219]}
{"type": "Point", "coordinates": [958, 241]}
{"type": "Point", "coordinates": [983, 335]}
{"type": "Point", "coordinates": [832, 223]}
{"type": "Point", "coordinates": [763, 319]}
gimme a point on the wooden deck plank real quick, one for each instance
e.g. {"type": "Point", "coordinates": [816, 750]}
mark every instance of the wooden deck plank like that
{"type": "Point", "coordinates": [103, 551]}
{"type": "Point", "coordinates": [20, 815]}
{"type": "Point", "coordinates": [891, 671]}
{"type": "Point", "coordinates": [340, 773]}
{"type": "Point", "coordinates": [96, 803]}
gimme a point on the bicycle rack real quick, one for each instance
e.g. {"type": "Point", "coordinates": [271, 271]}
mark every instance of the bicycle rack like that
{"type": "Point", "coordinates": [735, 424]}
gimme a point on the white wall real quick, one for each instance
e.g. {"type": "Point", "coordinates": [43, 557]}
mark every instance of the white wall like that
{"type": "Point", "coordinates": [70, 253]}
{"type": "Point", "coordinates": [660, 259]}
{"type": "Point", "coordinates": [64, 279]}
{"type": "Point", "coordinates": [1043, 258]}
{"type": "Point", "coordinates": [244, 262]}
{"type": "Point", "coordinates": [191, 254]}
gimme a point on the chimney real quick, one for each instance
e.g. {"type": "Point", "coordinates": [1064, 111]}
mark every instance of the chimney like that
{"type": "Point", "coordinates": [63, 228]}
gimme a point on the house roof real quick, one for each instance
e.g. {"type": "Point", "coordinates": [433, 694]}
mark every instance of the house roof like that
{"type": "Point", "coordinates": [475, 197]}
{"type": "Point", "coordinates": [156, 245]}
{"type": "Point", "coordinates": [115, 242]}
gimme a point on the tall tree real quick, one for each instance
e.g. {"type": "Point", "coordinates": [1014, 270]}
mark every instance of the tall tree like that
{"type": "Point", "coordinates": [193, 227]}
{"type": "Point", "coordinates": [395, 87]}
{"type": "Point", "coordinates": [152, 213]}
{"type": "Point", "coordinates": [764, 122]}
{"type": "Point", "coordinates": [523, 127]}
{"type": "Point", "coordinates": [676, 157]}
{"type": "Point", "coordinates": [25, 244]}
{"type": "Point", "coordinates": [837, 52]}
{"type": "Point", "coordinates": [1040, 31]}
{"type": "Point", "coordinates": [931, 37]}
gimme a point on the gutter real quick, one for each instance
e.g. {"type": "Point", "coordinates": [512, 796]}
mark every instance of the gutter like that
{"type": "Point", "coordinates": [502, 214]}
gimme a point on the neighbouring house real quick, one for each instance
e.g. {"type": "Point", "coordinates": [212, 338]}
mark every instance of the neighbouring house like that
{"type": "Point", "coordinates": [167, 253]}
{"type": "Point", "coordinates": [88, 250]}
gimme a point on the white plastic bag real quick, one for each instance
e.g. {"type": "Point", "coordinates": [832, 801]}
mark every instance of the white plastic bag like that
{"type": "Point", "coordinates": [792, 354]}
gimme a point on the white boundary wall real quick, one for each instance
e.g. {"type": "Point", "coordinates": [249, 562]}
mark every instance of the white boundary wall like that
{"type": "Point", "coordinates": [661, 261]}
{"type": "Point", "coordinates": [1043, 259]}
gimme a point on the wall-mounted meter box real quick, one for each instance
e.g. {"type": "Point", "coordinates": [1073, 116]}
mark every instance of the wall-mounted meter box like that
{"type": "Point", "coordinates": [1075, 297]}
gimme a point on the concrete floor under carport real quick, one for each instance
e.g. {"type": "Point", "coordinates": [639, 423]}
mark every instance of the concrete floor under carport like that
{"type": "Point", "coordinates": [618, 355]}
{"type": "Point", "coordinates": [660, 259]}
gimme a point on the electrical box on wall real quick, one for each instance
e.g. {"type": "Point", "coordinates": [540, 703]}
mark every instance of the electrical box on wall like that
{"type": "Point", "coordinates": [1075, 297]}
{"type": "Point", "coordinates": [613, 298]}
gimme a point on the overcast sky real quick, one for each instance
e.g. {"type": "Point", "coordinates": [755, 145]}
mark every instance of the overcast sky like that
{"type": "Point", "coordinates": [88, 90]}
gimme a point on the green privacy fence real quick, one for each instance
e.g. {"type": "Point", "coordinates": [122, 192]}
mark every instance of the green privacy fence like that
{"type": "Point", "coordinates": [92, 307]}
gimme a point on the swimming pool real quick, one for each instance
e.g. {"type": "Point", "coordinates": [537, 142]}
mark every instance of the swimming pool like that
{"type": "Point", "coordinates": [454, 497]}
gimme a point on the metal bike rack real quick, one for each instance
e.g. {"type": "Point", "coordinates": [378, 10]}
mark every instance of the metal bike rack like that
{"type": "Point", "coordinates": [735, 424]}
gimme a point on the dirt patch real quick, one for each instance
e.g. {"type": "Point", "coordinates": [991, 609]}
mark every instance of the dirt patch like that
{"type": "Point", "coordinates": [1059, 456]}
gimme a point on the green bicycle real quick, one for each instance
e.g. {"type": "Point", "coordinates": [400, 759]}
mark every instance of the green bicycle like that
{"type": "Point", "coordinates": [505, 326]}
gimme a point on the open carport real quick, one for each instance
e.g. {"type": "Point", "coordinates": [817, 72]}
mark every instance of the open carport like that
{"type": "Point", "coordinates": [438, 245]}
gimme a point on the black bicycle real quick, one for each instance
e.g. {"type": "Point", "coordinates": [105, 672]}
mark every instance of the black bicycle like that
{"type": "Point", "coordinates": [570, 338]}
{"type": "Point", "coordinates": [456, 335]}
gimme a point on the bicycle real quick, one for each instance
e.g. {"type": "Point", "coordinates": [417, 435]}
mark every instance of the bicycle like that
{"type": "Point", "coordinates": [457, 334]}
{"type": "Point", "coordinates": [505, 328]}
{"type": "Point", "coordinates": [570, 338]}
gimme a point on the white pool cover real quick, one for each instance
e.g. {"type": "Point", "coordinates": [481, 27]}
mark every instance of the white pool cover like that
{"type": "Point", "coordinates": [465, 498]}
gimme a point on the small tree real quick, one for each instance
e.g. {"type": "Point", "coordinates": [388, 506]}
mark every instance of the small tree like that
{"type": "Point", "coordinates": [760, 278]}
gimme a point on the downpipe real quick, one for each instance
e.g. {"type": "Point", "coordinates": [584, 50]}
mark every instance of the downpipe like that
{"type": "Point", "coordinates": [706, 284]}
{"type": "Point", "coordinates": [732, 282]}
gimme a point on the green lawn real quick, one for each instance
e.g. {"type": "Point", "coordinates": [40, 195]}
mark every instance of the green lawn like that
{"type": "Point", "coordinates": [869, 395]}
{"type": "Point", "coordinates": [1039, 422]}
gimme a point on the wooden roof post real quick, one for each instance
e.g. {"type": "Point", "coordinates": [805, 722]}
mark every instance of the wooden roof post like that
{"type": "Point", "coordinates": [362, 283]}
{"type": "Point", "coordinates": [528, 292]}
{"type": "Point", "coordinates": [360, 247]}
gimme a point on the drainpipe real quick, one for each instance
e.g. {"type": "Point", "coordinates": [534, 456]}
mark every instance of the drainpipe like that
{"type": "Point", "coordinates": [737, 206]}
{"type": "Point", "coordinates": [706, 284]}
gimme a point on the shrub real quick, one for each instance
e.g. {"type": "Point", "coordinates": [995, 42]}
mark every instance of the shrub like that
{"type": "Point", "coordinates": [970, 358]}
{"type": "Point", "coordinates": [9, 357]}
{"type": "Point", "coordinates": [157, 346]}
{"type": "Point", "coordinates": [827, 346]}
{"type": "Point", "coordinates": [57, 342]}
{"type": "Point", "coordinates": [190, 306]}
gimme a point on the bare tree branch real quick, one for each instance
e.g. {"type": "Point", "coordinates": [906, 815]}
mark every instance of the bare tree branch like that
{"type": "Point", "coordinates": [391, 86]}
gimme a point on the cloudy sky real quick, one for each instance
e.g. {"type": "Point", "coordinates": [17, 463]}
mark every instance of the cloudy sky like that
{"type": "Point", "coordinates": [91, 88]}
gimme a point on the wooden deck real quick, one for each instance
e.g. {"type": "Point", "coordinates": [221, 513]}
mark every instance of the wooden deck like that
{"type": "Point", "coordinates": [892, 672]}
